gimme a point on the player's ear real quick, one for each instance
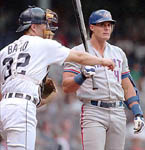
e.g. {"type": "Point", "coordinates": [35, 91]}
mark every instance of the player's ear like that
{"type": "Point", "coordinates": [112, 27]}
{"type": "Point", "coordinates": [33, 27]}
{"type": "Point", "coordinates": [92, 27]}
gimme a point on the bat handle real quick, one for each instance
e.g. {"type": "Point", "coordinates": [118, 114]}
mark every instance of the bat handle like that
{"type": "Point", "coordinates": [93, 83]}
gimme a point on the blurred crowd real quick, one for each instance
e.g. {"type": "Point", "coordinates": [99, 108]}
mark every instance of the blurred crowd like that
{"type": "Point", "coordinates": [58, 123]}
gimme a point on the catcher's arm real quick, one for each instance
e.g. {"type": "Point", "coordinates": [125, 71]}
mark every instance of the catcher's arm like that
{"type": "Point", "coordinates": [85, 58]}
{"type": "Point", "coordinates": [48, 99]}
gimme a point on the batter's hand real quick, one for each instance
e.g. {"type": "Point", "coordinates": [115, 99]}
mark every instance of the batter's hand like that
{"type": "Point", "coordinates": [138, 124]}
{"type": "Point", "coordinates": [109, 63]}
{"type": "Point", "coordinates": [88, 71]}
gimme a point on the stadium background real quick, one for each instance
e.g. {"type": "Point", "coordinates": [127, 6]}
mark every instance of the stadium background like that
{"type": "Point", "coordinates": [58, 123]}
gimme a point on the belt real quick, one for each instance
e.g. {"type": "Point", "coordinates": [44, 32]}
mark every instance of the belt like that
{"type": "Point", "coordinates": [21, 95]}
{"type": "Point", "coordinates": [107, 105]}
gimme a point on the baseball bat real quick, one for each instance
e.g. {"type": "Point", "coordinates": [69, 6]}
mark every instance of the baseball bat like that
{"type": "Point", "coordinates": [82, 28]}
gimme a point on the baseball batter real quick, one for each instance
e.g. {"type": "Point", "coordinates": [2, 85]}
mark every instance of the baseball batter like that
{"type": "Point", "coordinates": [23, 66]}
{"type": "Point", "coordinates": [103, 119]}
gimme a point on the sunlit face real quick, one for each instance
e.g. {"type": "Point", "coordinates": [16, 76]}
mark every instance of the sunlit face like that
{"type": "Point", "coordinates": [102, 30]}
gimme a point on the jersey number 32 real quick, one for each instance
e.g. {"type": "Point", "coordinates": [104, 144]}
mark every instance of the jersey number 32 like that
{"type": "Point", "coordinates": [22, 61]}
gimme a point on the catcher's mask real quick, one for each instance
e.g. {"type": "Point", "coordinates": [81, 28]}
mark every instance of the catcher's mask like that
{"type": "Point", "coordinates": [36, 15]}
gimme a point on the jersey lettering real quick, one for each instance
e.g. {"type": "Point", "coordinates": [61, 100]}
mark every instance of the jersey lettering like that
{"type": "Point", "coordinates": [117, 62]}
{"type": "Point", "coordinates": [116, 73]}
{"type": "Point", "coordinates": [25, 56]}
{"type": "Point", "coordinates": [24, 46]}
{"type": "Point", "coordinates": [23, 60]}
{"type": "Point", "coordinates": [117, 65]}
{"type": "Point", "coordinates": [14, 48]}
{"type": "Point", "coordinates": [8, 62]}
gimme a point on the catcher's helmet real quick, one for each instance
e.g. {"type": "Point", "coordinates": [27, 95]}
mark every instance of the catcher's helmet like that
{"type": "Point", "coordinates": [100, 16]}
{"type": "Point", "coordinates": [36, 15]}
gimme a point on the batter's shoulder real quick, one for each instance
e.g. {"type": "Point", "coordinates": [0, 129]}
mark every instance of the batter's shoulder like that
{"type": "Point", "coordinates": [115, 48]}
{"type": "Point", "coordinates": [79, 47]}
{"type": "Point", "coordinates": [69, 66]}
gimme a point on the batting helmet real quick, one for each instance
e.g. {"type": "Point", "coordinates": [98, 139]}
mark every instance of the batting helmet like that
{"type": "Point", "coordinates": [36, 15]}
{"type": "Point", "coordinates": [100, 16]}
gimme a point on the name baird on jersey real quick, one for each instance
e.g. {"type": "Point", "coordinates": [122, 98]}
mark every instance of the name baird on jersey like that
{"type": "Point", "coordinates": [117, 70]}
{"type": "Point", "coordinates": [15, 47]}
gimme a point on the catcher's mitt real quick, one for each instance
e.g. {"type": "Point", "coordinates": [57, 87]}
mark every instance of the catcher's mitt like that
{"type": "Point", "coordinates": [48, 88]}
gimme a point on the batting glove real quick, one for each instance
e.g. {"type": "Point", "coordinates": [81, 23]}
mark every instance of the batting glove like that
{"type": "Point", "coordinates": [88, 71]}
{"type": "Point", "coordinates": [138, 124]}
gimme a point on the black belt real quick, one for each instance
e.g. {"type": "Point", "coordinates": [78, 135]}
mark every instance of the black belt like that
{"type": "Point", "coordinates": [107, 105]}
{"type": "Point", "coordinates": [21, 95]}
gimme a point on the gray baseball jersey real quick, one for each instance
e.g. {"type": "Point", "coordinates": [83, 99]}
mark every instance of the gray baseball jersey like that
{"type": "Point", "coordinates": [108, 82]}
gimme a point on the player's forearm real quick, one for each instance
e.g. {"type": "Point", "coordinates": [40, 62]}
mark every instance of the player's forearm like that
{"type": "Point", "coordinates": [128, 88]}
{"type": "Point", "coordinates": [131, 97]}
{"type": "Point", "coordinates": [87, 59]}
{"type": "Point", "coordinates": [47, 100]}
{"type": "Point", "coordinates": [83, 58]}
{"type": "Point", "coordinates": [129, 92]}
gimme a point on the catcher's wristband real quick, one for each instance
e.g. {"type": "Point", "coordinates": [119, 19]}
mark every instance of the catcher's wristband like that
{"type": "Point", "coordinates": [79, 78]}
